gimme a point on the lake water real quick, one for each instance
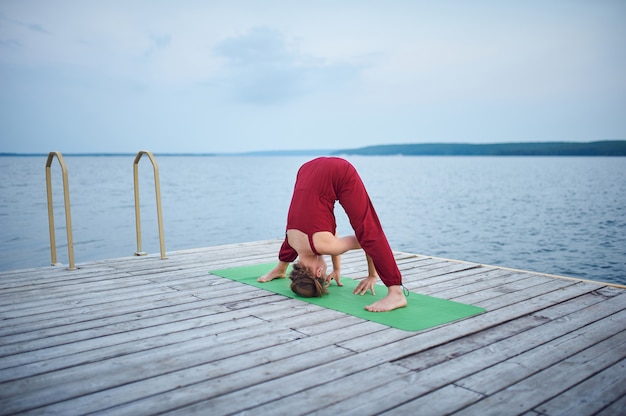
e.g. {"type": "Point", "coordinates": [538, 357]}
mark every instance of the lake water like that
{"type": "Point", "coordinates": [558, 215]}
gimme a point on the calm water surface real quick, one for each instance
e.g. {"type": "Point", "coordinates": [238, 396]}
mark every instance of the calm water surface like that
{"type": "Point", "coordinates": [564, 216]}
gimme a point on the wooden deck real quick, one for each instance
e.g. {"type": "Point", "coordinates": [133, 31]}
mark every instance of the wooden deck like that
{"type": "Point", "coordinates": [140, 335]}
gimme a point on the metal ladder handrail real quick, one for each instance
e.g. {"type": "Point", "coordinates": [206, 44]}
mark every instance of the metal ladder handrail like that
{"type": "Point", "coordinates": [68, 216]}
{"type": "Point", "coordinates": [157, 188]}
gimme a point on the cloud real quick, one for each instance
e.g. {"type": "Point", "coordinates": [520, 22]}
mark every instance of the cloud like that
{"type": "Point", "coordinates": [10, 43]}
{"type": "Point", "coordinates": [231, 76]}
{"type": "Point", "coordinates": [263, 68]}
{"type": "Point", "coordinates": [262, 46]}
{"type": "Point", "coordinates": [34, 27]}
{"type": "Point", "coordinates": [157, 43]}
{"type": "Point", "coordinates": [161, 41]}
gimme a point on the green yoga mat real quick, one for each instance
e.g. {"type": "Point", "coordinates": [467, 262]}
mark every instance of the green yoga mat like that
{"type": "Point", "coordinates": [422, 311]}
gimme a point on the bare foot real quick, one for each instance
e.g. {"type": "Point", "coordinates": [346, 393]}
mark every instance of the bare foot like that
{"type": "Point", "coordinates": [395, 299]}
{"type": "Point", "coordinates": [278, 272]}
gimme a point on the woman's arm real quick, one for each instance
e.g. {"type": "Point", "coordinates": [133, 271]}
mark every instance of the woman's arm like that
{"type": "Point", "coordinates": [371, 270]}
{"type": "Point", "coordinates": [327, 243]}
{"type": "Point", "coordinates": [370, 281]}
{"type": "Point", "coordinates": [336, 273]}
{"type": "Point", "coordinates": [336, 262]}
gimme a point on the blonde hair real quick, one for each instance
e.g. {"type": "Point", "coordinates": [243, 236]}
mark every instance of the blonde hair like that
{"type": "Point", "coordinates": [305, 284]}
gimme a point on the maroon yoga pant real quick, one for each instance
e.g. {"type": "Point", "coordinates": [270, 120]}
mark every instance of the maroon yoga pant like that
{"type": "Point", "coordinates": [319, 184]}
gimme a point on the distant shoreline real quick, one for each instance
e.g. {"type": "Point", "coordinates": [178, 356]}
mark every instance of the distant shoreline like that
{"type": "Point", "coordinates": [598, 148]}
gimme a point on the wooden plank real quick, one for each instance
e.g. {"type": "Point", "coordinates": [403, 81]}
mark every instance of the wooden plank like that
{"type": "Point", "coordinates": [504, 296]}
{"type": "Point", "coordinates": [49, 388]}
{"type": "Point", "coordinates": [33, 343]}
{"type": "Point", "coordinates": [75, 353]}
{"type": "Point", "coordinates": [472, 281]}
{"type": "Point", "coordinates": [87, 341]}
{"type": "Point", "coordinates": [36, 284]}
{"type": "Point", "coordinates": [109, 324]}
{"type": "Point", "coordinates": [532, 391]}
{"type": "Point", "coordinates": [614, 409]}
{"type": "Point", "coordinates": [72, 354]}
{"type": "Point", "coordinates": [308, 401]}
{"type": "Point", "coordinates": [440, 335]}
{"type": "Point", "coordinates": [435, 368]}
{"type": "Point", "coordinates": [226, 373]}
{"type": "Point", "coordinates": [120, 306]}
{"type": "Point", "coordinates": [552, 349]}
{"type": "Point", "coordinates": [61, 307]}
{"type": "Point", "coordinates": [308, 379]}
{"type": "Point", "coordinates": [443, 401]}
{"type": "Point", "coordinates": [443, 273]}
{"type": "Point", "coordinates": [590, 396]}
{"type": "Point", "coordinates": [48, 306]}
{"type": "Point", "coordinates": [489, 338]}
{"type": "Point", "coordinates": [138, 305]}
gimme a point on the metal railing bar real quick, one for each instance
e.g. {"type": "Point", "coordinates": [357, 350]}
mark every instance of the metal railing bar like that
{"type": "Point", "coordinates": [157, 188]}
{"type": "Point", "coordinates": [68, 215]}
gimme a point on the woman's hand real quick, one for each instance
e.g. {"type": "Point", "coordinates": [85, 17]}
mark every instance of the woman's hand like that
{"type": "Point", "coordinates": [365, 285]}
{"type": "Point", "coordinates": [336, 275]}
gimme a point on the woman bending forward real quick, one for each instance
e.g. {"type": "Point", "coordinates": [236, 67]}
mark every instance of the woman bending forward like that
{"type": "Point", "coordinates": [311, 233]}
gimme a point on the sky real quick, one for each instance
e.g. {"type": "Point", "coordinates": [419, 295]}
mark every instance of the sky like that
{"type": "Point", "coordinates": [208, 76]}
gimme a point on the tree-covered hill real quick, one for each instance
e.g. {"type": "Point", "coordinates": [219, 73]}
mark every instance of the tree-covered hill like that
{"type": "Point", "coordinates": [599, 148]}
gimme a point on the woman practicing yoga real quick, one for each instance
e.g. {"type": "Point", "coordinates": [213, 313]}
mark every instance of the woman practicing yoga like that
{"type": "Point", "coordinates": [311, 233]}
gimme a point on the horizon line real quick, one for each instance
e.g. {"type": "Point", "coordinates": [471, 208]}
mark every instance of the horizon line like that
{"type": "Point", "coordinates": [303, 152]}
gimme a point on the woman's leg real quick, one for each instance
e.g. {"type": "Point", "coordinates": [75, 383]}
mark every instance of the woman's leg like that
{"type": "Point", "coordinates": [286, 255]}
{"type": "Point", "coordinates": [355, 201]}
